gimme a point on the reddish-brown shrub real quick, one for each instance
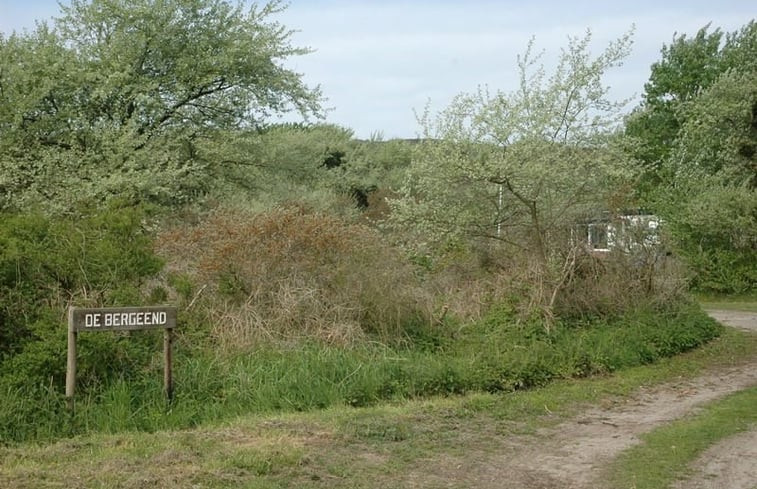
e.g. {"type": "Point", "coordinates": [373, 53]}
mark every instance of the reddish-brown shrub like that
{"type": "Point", "coordinates": [290, 273]}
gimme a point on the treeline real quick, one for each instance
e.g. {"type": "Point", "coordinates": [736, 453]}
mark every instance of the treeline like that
{"type": "Point", "coordinates": [138, 166]}
{"type": "Point", "coordinates": [695, 134]}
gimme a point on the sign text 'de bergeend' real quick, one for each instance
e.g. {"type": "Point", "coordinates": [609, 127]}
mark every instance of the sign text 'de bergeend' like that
{"type": "Point", "coordinates": [123, 318]}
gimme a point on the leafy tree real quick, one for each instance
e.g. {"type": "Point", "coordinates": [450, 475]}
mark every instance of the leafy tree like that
{"type": "Point", "coordinates": [293, 162]}
{"type": "Point", "coordinates": [697, 134]}
{"type": "Point", "coordinates": [715, 231]}
{"type": "Point", "coordinates": [121, 97]}
{"type": "Point", "coordinates": [319, 165]}
{"type": "Point", "coordinates": [522, 168]}
{"type": "Point", "coordinates": [710, 202]}
{"type": "Point", "coordinates": [374, 169]}
{"type": "Point", "coordinates": [688, 66]}
{"type": "Point", "coordinates": [719, 135]}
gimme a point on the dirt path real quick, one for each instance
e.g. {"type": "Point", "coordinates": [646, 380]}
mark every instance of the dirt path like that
{"type": "Point", "coordinates": [572, 455]}
{"type": "Point", "coordinates": [729, 464]}
{"type": "Point", "coordinates": [737, 319]}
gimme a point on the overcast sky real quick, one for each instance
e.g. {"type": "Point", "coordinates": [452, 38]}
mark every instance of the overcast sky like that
{"type": "Point", "coordinates": [379, 61]}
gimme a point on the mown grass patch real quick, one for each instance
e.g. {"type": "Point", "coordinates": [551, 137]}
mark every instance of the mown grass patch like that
{"type": "Point", "coordinates": [750, 306]}
{"type": "Point", "coordinates": [747, 302]}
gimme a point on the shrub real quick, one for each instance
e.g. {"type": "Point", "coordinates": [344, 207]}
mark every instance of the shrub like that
{"type": "Point", "coordinates": [616, 282]}
{"type": "Point", "coordinates": [289, 273]}
{"type": "Point", "coordinates": [715, 233]}
{"type": "Point", "coordinates": [47, 264]}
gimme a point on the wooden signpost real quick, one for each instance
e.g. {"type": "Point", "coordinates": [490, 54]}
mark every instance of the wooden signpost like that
{"type": "Point", "coordinates": [120, 319]}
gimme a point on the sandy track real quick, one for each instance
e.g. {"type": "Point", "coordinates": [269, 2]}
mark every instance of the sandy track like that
{"type": "Point", "coordinates": [730, 464]}
{"type": "Point", "coordinates": [737, 319]}
{"type": "Point", "coordinates": [572, 454]}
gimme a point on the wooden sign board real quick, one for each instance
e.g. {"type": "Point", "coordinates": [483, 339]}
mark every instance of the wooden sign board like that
{"type": "Point", "coordinates": [122, 318]}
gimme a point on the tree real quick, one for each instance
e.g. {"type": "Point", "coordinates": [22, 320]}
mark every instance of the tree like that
{"type": "Point", "coordinates": [268, 166]}
{"type": "Point", "coordinates": [522, 168]}
{"type": "Point", "coordinates": [119, 97]}
{"type": "Point", "coordinates": [688, 66]}
{"type": "Point", "coordinates": [710, 198]}
{"type": "Point", "coordinates": [719, 135]}
{"type": "Point", "coordinates": [696, 132]}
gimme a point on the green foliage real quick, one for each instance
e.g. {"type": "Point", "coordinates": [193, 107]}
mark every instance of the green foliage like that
{"type": "Point", "coordinates": [516, 159]}
{"type": "Point", "coordinates": [710, 201]}
{"type": "Point", "coordinates": [318, 165]}
{"type": "Point", "coordinates": [494, 355]}
{"type": "Point", "coordinates": [280, 164]}
{"type": "Point", "coordinates": [716, 233]}
{"type": "Point", "coordinates": [697, 131]}
{"type": "Point", "coordinates": [719, 137]}
{"type": "Point", "coordinates": [688, 66]}
{"type": "Point", "coordinates": [48, 264]}
{"type": "Point", "coordinates": [521, 169]}
{"type": "Point", "coordinates": [374, 170]}
{"type": "Point", "coordinates": [128, 98]}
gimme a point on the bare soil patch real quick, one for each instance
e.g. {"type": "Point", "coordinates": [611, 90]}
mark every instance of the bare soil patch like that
{"type": "Point", "coordinates": [737, 319]}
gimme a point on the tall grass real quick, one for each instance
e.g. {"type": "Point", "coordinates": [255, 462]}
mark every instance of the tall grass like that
{"type": "Point", "coordinates": [496, 354]}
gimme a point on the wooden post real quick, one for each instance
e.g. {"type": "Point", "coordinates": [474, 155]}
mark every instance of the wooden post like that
{"type": "Point", "coordinates": [167, 368]}
{"type": "Point", "coordinates": [71, 361]}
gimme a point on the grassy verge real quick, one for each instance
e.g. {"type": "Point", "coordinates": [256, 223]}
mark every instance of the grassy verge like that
{"type": "Point", "coordinates": [667, 452]}
{"type": "Point", "coordinates": [730, 303]}
{"type": "Point", "coordinates": [387, 445]}
{"type": "Point", "coordinates": [494, 355]}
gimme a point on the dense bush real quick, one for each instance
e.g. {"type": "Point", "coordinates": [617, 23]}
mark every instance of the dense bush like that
{"type": "Point", "coordinates": [292, 274]}
{"type": "Point", "coordinates": [48, 264]}
{"type": "Point", "coordinates": [716, 234]}
{"type": "Point", "coordinates": [611, 283]}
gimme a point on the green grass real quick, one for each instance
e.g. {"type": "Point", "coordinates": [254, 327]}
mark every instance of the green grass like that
{"type": "Point", "coordinates": [667, 453]}
{"type": "Point", "coordinates": [386, 445]}
{"type": "Point", "coordinates": [731, 303]}
{"type": "Point", "coordinates": [494, 355]}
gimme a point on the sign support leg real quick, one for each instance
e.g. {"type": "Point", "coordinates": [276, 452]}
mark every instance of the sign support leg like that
{"type": "Point", "coordinates": [167, 367]}
{"type": "Point", "coordinates": [71, 364]}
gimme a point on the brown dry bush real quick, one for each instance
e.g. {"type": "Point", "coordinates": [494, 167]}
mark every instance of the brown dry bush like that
{"type": "Point", "coordinates": [466, 283]}
{"type": "Point", "coordinates": [289, 273]}
{"type": "Point", "coordinates": [584, 284]}
{"type": "Point", "coordinates": [615, 282]}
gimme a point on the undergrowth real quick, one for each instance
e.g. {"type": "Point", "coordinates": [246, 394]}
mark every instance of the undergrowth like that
{"type": "Point", "coordinates": [497, 354]}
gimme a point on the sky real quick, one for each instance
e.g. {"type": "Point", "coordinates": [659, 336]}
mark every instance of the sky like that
{"type": "Point", "coordinates": [379, 63]}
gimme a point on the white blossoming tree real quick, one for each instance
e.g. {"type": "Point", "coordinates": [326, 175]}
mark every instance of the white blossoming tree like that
{"type": "Point", "coordinates": [520, 169]}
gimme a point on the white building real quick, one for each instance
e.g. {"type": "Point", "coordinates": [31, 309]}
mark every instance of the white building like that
{"type": "Point", "coordinates": [626, 232]}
